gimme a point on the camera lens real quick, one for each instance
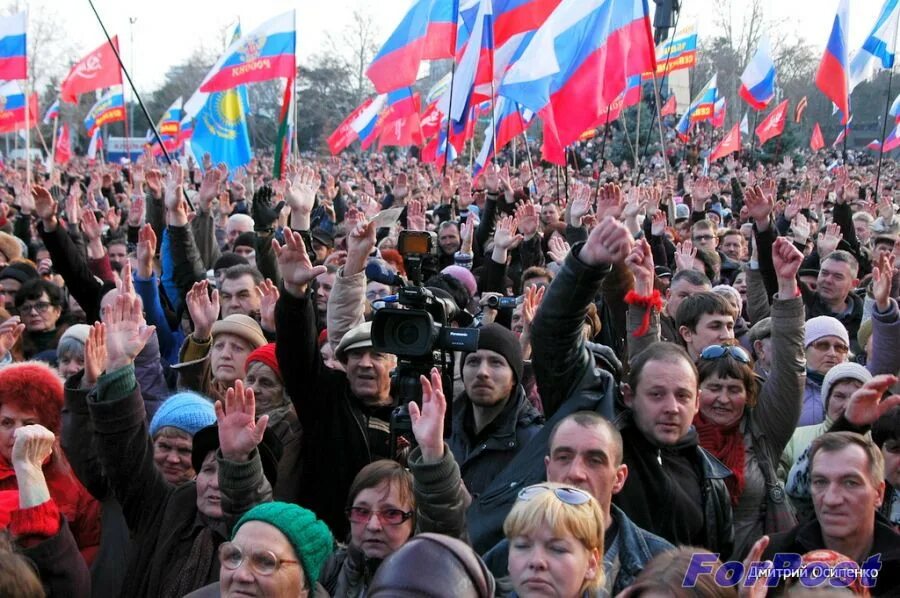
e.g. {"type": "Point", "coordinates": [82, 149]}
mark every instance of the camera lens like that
{"type": "Point", "coordinates": [408, 333]}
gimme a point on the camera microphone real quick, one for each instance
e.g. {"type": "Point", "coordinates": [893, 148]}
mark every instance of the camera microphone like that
{"type": "Point", "coordinates": [380, 272]}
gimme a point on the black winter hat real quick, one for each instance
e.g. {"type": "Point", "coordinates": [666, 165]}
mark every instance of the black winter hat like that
{"type": "Point", "coordinates": [499, 339]}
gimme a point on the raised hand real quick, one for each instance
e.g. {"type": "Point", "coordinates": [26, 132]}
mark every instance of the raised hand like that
{"type": "Point", "coordinates": [203, 309]}
{"type": "Point", "coordinates": [428, 420]}
{"type": "Point", "coordinates": [866, 404]}
{"type": "Point", "coordinates": [658, 224]}
{"type": "Point", "coordinates": [757, 588]}
{"type": "Point", "coordinates": [154, 181]}
{"type": "Point", "coordinates": [415, 215]}
{"type": "Point", "coordinates": [209, 188]}
{"type": "Point", "coordinates": [787, 260]}
{"type": "Point", "coordinates": [467, 235]}
{"type": "Point", "coordinates": [239, 430]}
{"type": "Point", "coordinates": [882, 274]}
{"type": "Point", "coordinates": [95, 355]}
{"type": "Point", "coordinates": [44, 206]}
{"type": "Point", "coordinates": [640, 263]}
{"type": "Point", "coordinates": [685, 256]}
{"type": "Point", "coordinates": [829, 240]}
{"type": "Point", "coordinates": [269, 294]}
{"type": "Point", "coordinates": [800, 228]}
{"type": "Point", "coordinates": [301, 192]}
{"type": "Point", "coordinates": [91, 228]}
{"type": "Point", "coordinates": [558, 248]}
{"type": "Point", "coordinates": [401, 186]}
{"type": "Point", "coordinates": [609, 243]}
{"type": "Point", "coordinates": [491, 178]}
{"type": "Point", "coordinates": [73, 209]}
{"type": "Point", "coordinates": [759, 206]}
{"type": "Point", "coordinates": [293, 262]}
{"type": "Point", "coordinates": [700, 193]}
{"type": "Point", "coordinates": [32, 446]}
{"type": "Point", "coordinates": [531, 301]}
{"type": "Point", "coordinates": [581, 204]}
{"type": "Point", "coordinates": [528, 221]}
{"type": "Point", "coordinates": [609, 202]}
{"type": "Point", "coordinates": [146, 250]}
{"type": "Point", "coordinates": [173, 185]}
{"type": "Point", "coordinates": [126, 333]}
{"type": "Point", "coordinates": [10, 331]}
{"type": "Point", "coordinates": [505, 237]}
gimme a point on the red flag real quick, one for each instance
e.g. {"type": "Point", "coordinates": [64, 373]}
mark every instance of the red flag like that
{"type": "Point", "coordinates": [13, 120]}
{"type": "Point", "coordinates": [816, 142]}
{"type": "Point", "coordinates": [344, 135]}
{"type": "Point", "coordinates": [431, 120]}
{"type": "Point", "coordinates": [718, 119]}
{"type": "Point", "coordinates": [96, 70]}
{"type": "Point", "coordinates": [63, 146]}
{"type": "Point", "coordinates": [669, 107]}
{"type": "Point", "coordinates": [730, 144]}
{"type": "Point", "coordinates": [773, 125]}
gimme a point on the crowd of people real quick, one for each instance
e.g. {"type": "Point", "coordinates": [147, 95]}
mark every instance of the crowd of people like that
{"type": "Point", "coordinates": [678, 380]}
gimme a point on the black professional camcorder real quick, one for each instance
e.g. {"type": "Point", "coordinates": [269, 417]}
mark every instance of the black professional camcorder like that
{"type": "Point", "coordinates": [418, 330]}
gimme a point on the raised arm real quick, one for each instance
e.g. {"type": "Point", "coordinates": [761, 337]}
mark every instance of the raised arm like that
{"type": "Point", "coordinates": [347, 302]}
{"type": "Point", "coordinates": [644, 303]}
{"type": "Point", "coordinates": [781, 396]}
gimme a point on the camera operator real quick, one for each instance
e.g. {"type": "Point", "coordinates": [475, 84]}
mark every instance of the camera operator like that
{"type": "Point", "coordinates": [345, 416]}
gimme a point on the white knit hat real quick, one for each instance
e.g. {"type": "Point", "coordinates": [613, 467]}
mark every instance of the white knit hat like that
{"type": "Point", "coordinates": [843, 371]}
{"type": "Point", "coordinates": [822, 326]}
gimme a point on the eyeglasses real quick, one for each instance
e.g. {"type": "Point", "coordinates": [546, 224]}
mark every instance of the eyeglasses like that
{"type": "Point", "coordinates": [40, 307]}
{"type": "Point", "coordinates": [720, 351]}
{"type": "Point", "coordinates": [570, 496]}
{"type": "Point", "coordinates": [824, 346]}
{"type": "Point", "coordinates": [263, 562]}
{"type": "Point", "coordinates": [386, 517]}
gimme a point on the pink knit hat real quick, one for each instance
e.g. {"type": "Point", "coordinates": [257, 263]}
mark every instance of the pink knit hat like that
{"type": "Point", "coordinates": [464, 276]}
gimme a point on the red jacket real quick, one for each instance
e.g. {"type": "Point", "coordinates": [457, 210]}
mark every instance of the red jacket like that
{"type": "Point", "coordinates": [79, 508]}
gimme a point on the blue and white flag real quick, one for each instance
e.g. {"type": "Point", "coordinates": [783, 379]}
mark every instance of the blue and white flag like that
{"type": "Point", "coordinates": [880, 47]}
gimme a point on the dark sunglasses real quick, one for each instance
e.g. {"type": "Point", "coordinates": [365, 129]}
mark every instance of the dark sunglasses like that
{"type": "Point", "coordinates": [720, 351]}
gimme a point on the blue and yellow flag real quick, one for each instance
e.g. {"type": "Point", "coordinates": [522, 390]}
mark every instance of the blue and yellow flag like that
{"type": "Point", "coordinates": [220, 128]}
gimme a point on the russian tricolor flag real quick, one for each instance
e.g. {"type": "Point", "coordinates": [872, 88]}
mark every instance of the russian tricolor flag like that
{"type": "Point", "coordinates": [268, 52]}
{"type": "Point", "coordinates": [12, 107]}
{"type": "Point", "coordinates": [427, 32]}
{"type": "Point", "coordinates": [510, 122]}
{"type": "Point", "coordinates": [579, 62]}
{"type": "Point", "coordinates": [758, 80]}
{"type": "Point", "coordinates": [52, 112]}
{"type": "Point", "coordinates": [365, 125]}
{"type": "Point", "coordinates": [702, 108]}
{"type": "Point", "coordinates": [832, 77]}
{"type": "Point", "coordinates": [13, 47]}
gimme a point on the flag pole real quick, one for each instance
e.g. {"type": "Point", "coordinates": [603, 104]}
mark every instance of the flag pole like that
{"type": "Point", "coordinates": [53, 146]}
{"type": "Point", "coordinates": [131, 83]}
{"type": "Point", "coordinates": [452, 77]}
{"type": "Point", "coordinates": [27, 136]}
{"type": "Point", "coordinates": [887, 107]}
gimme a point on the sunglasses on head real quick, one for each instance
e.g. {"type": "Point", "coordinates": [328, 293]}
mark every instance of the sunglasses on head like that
{"type": "Point", "coordinates": [720, 351]}
{"type": "Point", "coordinates": [570, 496]}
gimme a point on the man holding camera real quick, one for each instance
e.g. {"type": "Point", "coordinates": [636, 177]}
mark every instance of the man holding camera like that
{"type": "Point", "coordinates": [345, 414]}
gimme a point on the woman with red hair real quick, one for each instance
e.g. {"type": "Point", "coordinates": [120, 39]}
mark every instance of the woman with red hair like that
{"type": "Point", "coordinates": [32, 393]}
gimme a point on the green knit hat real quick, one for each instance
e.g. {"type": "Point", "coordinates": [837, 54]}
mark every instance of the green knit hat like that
{"type": "Point", "coordinates": [310, 537]}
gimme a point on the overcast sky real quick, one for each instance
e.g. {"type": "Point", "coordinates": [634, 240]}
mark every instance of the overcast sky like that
{"type": "Point", "coordinates": [166, 32]}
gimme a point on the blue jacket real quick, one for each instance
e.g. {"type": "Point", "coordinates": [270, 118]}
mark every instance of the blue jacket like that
{"type": "Point", "coordinates": [623, 560]}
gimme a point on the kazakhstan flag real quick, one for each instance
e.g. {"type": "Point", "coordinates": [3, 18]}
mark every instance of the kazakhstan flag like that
{"type": "Point", "coordinates": [220, 128]}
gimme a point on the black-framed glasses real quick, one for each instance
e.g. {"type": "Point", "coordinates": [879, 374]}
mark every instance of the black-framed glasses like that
{"type": "Point", "coordinates": [570, 496]}
{"type": "Point", "coordinates": [264, 562]}
{"type": "Point", "coordinates": [40, 306]}
{"type": "Point", "coordinates": [720, 351]}
{"type": "Point", "coordinates": [386, 517]}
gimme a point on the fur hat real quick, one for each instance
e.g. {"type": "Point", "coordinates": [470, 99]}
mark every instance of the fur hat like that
{"type": "Point", "coordinates": [34, 386]}
{"type": "Point", "coordinates": [10, 246]}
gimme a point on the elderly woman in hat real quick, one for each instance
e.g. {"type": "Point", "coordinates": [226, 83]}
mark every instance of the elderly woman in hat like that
{"type": "Point", "coordinates": [276, 549]}
{"type": "Point", "coordinates": [176, 529]}
{"type": "Point", "coordinates": [265, 379]}
{"type": "Point", "coordinates": [32, 393]}
{"type": "Point", "coordinates": [213, 357]}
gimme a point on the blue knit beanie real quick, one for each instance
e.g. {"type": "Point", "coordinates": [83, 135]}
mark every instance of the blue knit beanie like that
{"type": "Point", "coordinates": [310, 537]}
{"type": "Point", "coordinates": [187, 411]}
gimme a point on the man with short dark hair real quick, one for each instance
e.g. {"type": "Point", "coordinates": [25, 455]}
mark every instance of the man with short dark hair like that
{"type": "Point", "coordinates": [705, 319]}
{"type": "Point", "coordinates": [684, 284]}
{"type": "Point", "coordinates": [238, 294]}
{"type": "Point", "coordinates": [585, 452]}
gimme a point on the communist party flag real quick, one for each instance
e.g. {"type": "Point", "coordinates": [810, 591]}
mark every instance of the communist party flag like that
{"type": "Point", "coordinates": [730, 144]}
{"type": "Point", "coordinates": [816, 142]}
{"type": "Point", "coordinates": [97, 70]}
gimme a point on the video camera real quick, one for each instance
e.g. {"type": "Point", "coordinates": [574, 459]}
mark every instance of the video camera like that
{"type": "Point", "coordinates": [417, 330]}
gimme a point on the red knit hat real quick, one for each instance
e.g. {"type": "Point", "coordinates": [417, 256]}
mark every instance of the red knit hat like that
{"type": "Point", "coordinates": [266, 356]}
{"type": "Point", "coordinates": [34, 386]}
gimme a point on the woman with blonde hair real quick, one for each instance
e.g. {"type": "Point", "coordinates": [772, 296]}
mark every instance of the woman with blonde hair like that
{"type": "Point", "coordinates": [555, 538]}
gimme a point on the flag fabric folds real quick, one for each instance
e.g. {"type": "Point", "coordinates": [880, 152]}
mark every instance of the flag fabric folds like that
{"type": "Point", "coordinates": [745, 125]}
{"type": "Point", "coordinates": [95, 144]}
{"type": "Point", "coordinates": [366, 124]}
{"type": "Point", "coordinates": [579, 61]}
{"type": "Point", "coordinates": [730, 143]}
{"type": "Point", "coordinates": [285, 126]}
{"type": "Point", "coordinates": [773, 124]}
{"type": "Point", "coordinates": [832, 78]}
{"type": "Point", "coordinates": [840, 138]}
{"type": "Point", "coordinates": [344, 134]}
{"type": "Point", "coordinates": [719, 110]}
{"type": "Point", "coordinates": [52, 112]}
{"type": "Point", "coordinates": [426, 32]}
{"type": "Point", "coordinates": [220, 129]}
{"type": "Point", "coordinates": [267, 52]}
{"type": "Point", "coordinates": [758, 80]}
{"type": "Point", "coordinates": [169, 127]}
{"type": "Point", "coordinates": [894, 111]}
{"type": "Point", "coordinates": [478, 50]}
{"type": "Point", "coordinates": [816, 141]}
{"type": "Point", "coordinates": [12, 108]}
{"type": "Point", "coordinates": [879, 48]}
{"type": "Point", "coordinates": [669, 107]}
{"type": "Point", "coordinates": [97, 70]}
{"type": "Point", "coordinates": [874, 145]}
{"type": "Point", "coordinates": [510, 122]}
{"type": "Point", "coordinates": [63, 148]}
{"type": "Point", "coordinates": [892, 141]}
{"type": "Point", "coordinates": [398, 124]}
{"type": "Point", "coordinates": [702, 108]}
{"type": "Point", "coordinates": [109, 108]}
{"type": "Point", "coordinates": [13, 47]}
